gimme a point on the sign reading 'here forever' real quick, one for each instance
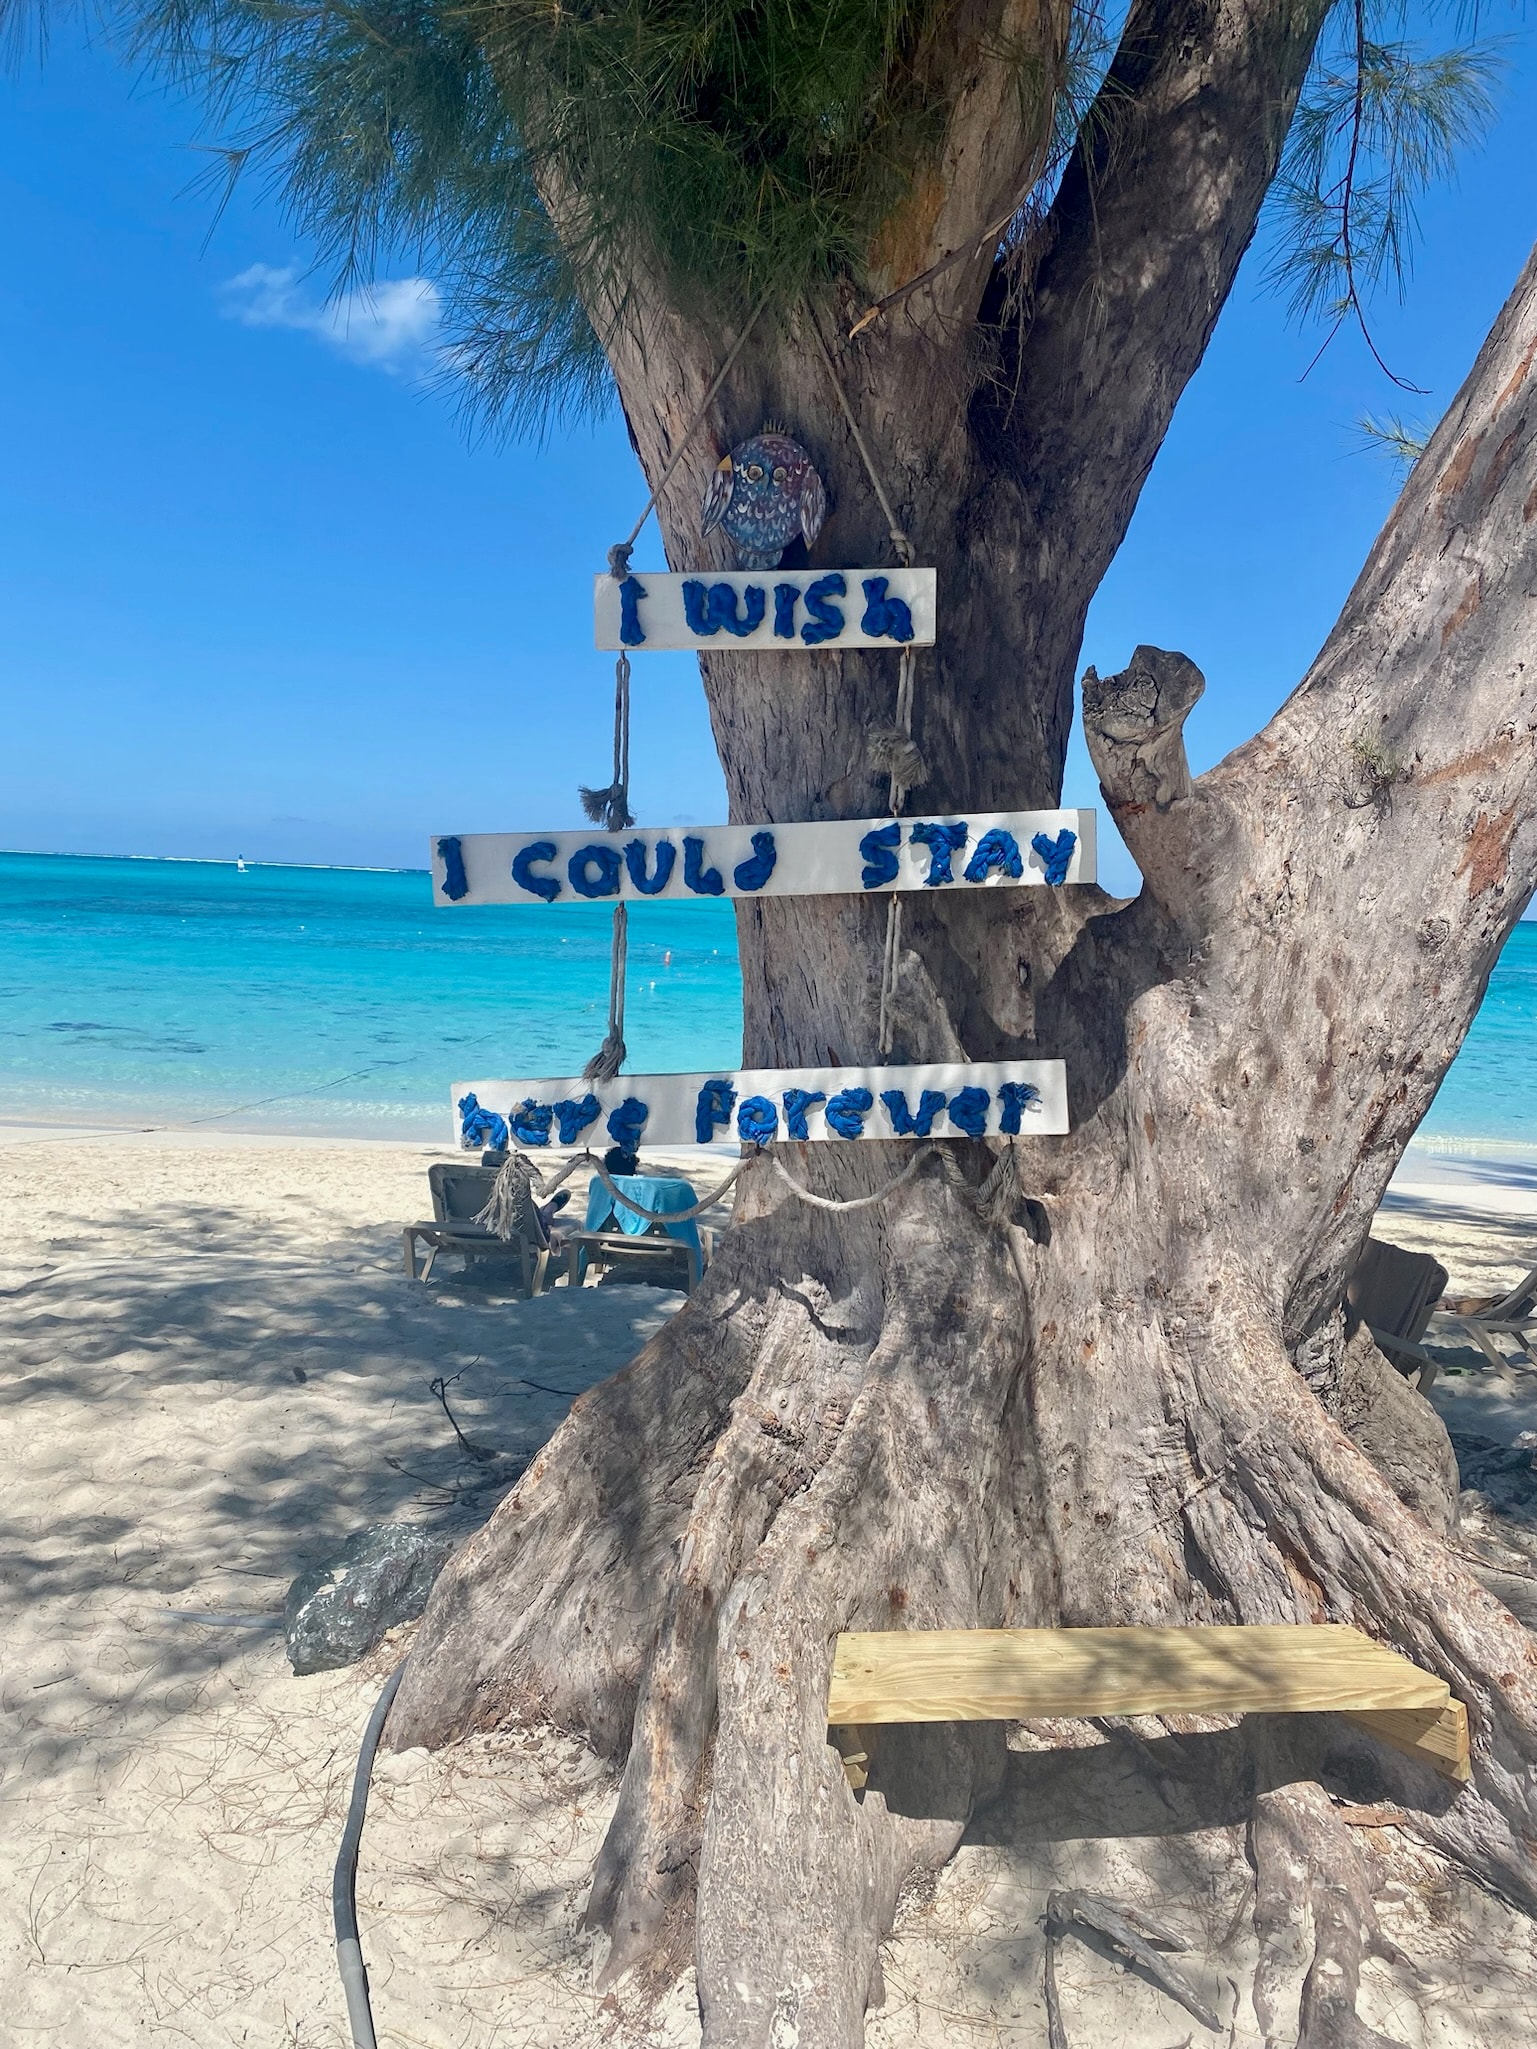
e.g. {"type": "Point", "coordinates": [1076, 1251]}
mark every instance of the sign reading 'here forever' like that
{"type": "Point", "coordinates": [1005, 1099]}
{"type": "Point", "coordinates": [851, 856]}
{"type": "Point", "coordinates": [764, 609]}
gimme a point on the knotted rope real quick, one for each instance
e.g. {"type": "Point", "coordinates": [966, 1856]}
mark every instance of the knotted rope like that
{"type": "Point", "coordinates": [518, 1173]}
{"type": "Point", "coordinates": [519, 1180]}
{"type": "Point", "coordinates": [994, 1202]}
{"type": "Point", "coordinates": [893, 751]}
{"type": "Point", "coordinates": [610, 807]}
{"type": "Point", "coordinates": [507, 1207]}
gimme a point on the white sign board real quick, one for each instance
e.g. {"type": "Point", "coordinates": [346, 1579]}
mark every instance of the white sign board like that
{"type": "Point", "coordinates": [1027, 1098]}
{"type": "Point", "coordinates": [764, 609]}
{"type": "Point", "coordinates": [857, 856]}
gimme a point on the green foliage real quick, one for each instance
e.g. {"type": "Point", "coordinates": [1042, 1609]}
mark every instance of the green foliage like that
{"type": "Point", "coordinates": [1378, 124]}
{"type": "Point", "coordinates": [1402, 441]}
{"type": "Point", "coordinates": [732, 149]}
{"type": "Point", "coordinates": [732, 146]}
{"type": "Point", "coordinates": [384, 131]}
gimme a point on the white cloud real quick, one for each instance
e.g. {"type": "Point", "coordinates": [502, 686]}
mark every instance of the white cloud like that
{"type": "Point", "coordinates": [391, 324]}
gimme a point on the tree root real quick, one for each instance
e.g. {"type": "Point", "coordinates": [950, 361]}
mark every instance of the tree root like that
{"type": "Point", "coordinates": [910, 1421]}
{"type": "Point", "coordinates": [1310, 1871]}
{"type": "Point", "coordinates": [1134, 1934]}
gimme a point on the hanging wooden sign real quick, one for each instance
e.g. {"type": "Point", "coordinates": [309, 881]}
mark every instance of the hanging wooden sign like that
{"type": "Point", "coordinates": [789, 609]}
{"type": "Point", "coordinates": [846, 856]}
{"type": "Point", "coordinates": [1025, 1098]}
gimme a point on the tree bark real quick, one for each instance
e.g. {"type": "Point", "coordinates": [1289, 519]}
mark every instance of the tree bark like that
{"type": "Point", "coordinates": [1091, 1412]}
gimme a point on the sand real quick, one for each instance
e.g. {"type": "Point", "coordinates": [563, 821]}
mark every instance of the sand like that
{"type": "Point", "coordinates": [215, 1369]}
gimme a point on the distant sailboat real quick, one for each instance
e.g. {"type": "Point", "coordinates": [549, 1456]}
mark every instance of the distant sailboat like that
{"type": "Point", "coordinates": [240, 864]}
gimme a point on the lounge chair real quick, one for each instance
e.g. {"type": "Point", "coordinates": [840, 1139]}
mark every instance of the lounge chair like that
{"type": "Point", "coordinates": [459, 1194]}
{"type": "Point", "coordinates": [1484, 1318]}
{"type": "Point", "coordinates": [671, 1252]}
{"type": "Point", "coordinates": [1393, 1293]}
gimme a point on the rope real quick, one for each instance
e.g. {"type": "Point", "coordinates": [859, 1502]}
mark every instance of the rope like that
{"type": "Point", "coordinates": [507, 1208]}
{"type": "Point", "coordinates": [974, 248]}
{"type": "Point", "coordinates": [619, 555]}
{"type": "Point", "coordinates": [610, 807]}
{"type": "Point", "coordinates": [610, 1056]}
{"type": "Point", "coordinates": [828, 1202]}
{"type": "Point", "coordinates": [893, 750]}
{"type": "Point", "coordinates": [889, 961]}
{"type": "Point", "coordinates": [993, 1201]}
{"type": "Point", "coordinates": [525, 1167]}
{"type": "Point", "coordinates": [698, 1209]}
{"type": "Point", "coordinates": [899, 540]}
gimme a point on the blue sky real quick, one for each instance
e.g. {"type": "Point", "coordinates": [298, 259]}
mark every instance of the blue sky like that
{"type": "Point", "coordinates": [258, 595]}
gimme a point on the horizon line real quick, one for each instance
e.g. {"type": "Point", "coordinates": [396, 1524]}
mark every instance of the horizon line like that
{"type": "Point", "coordinates": [214, 861]}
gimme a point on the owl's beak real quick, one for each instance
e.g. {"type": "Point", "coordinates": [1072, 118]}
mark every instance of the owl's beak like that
{"type": "Point", "coordinates": [723, 467]}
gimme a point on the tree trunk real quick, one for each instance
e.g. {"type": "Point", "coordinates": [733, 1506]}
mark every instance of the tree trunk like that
{"type": "Point", "coordinates": [1118, 1404]}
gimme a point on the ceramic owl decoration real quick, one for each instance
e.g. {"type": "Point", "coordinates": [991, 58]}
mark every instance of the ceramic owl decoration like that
{"type": "Point", "coordinates": [762, 495]}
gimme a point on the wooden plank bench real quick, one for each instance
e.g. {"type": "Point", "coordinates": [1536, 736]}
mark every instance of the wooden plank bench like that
{"type": "Point", "coordinates": [993, 1675]}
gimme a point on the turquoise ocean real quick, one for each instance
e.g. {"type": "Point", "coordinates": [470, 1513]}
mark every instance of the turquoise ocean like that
{"type": "Point", "coordinates": [340, 1001]}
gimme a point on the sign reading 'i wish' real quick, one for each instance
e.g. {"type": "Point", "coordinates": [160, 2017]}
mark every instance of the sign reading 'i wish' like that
{"type": "Point", "coordinates": [788, 609]}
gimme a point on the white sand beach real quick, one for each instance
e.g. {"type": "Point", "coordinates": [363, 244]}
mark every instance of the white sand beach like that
{"type": "Point", "coordinates": [215, 1369]}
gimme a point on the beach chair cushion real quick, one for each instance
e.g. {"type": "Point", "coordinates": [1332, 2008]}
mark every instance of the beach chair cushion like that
{"type": "Point", "coordinates": [1393, 1291]}
{"type": "Point", "coordinates": [658, 1194]}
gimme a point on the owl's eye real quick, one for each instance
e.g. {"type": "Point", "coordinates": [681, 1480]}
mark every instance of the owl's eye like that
{"type": "Point", "coordinates": [781, 474]}
{"type": "Point", "coordinates": [754, 473]}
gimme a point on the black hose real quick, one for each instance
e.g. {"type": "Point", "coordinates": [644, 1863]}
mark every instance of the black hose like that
{"type": "Point", "coordinates": [344, 1905]}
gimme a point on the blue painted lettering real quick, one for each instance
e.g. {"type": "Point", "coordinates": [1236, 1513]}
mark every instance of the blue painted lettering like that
{"type": "Point", "coordinates": [635, 861]}
{"type": "Point", "coordinates": [523, 870]}
{"type": "Point", "coordinates": [968, 1111]}
{"type": "Point", "coordinates": [885, 618]}
{"type": "Point", "coordinates": [797, 1102]}
{"type": "Point", "coordinates": [903, 1121]}
{"type": "Point", "coordinates": [701, 880]}
{"type": "Point", "coordinates": [996, 849]}
{"type": "Point", "coordinates": [825, 621]}
{"type": "Point", "coordinates": [712, 1108]}
{"type": "Point", "coordinates": [631, 632]}
{"type": "Point", "coordinates": [942, 841]}
{"type": "Point", "coordinates": [880, 857]}
{"type": "Point", "coordinates": [754, 872]}
{"type": "Point", "coordinates": [605, 860]}
{"type": "Point", "coordinates": [846, 1112]}
{"type": "Point", "coordinates": [1015, 1096]}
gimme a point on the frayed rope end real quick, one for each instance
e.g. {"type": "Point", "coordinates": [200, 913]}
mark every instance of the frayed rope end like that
{"type": "Point", "coordinates": [507, 1210]}
{"type": "Point", "coordinates": [897, 754]}
{"type": "Point", "coordinates": [607, 1061]}
{"type": "Point", "coordinates": [607, 807]}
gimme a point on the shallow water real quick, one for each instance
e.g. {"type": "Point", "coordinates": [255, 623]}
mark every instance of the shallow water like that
{"type": "Point", "coordinates": [340, 1000]}
{"type": "Point", "coordinates": [323, 999]}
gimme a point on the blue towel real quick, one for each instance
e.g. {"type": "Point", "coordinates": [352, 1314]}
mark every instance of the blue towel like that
{"type": "Point", "coordinates": [657, 1197]}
